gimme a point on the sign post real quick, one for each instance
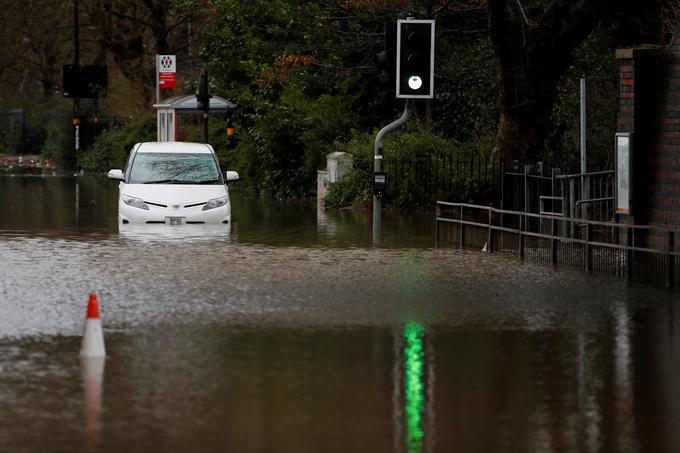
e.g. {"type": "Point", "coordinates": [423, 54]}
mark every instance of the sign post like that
{"type": "Point", "coordinates": [166, 73]}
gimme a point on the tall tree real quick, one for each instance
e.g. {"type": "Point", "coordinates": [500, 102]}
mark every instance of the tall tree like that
{"type": "Point", "coordinates": [133, 31]}
{"type": "Point", "coordinates": [531, 56]}
{"type": "Point", "coordinates": [534, 41]}
{"type": "Point", "coordinates": [36, 41]}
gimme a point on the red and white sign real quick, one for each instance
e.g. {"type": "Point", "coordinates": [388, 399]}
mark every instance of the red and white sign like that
{"type": "Point", "coordinates": [167, 71]}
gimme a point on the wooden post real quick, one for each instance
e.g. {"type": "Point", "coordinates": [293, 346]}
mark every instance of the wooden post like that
{"type": "Point", "coordinates": [670, 271]}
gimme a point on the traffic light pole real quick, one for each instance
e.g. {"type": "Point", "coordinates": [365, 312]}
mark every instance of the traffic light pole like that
{"type": "Point", "coordinates": [377, 168]}
{"type": "Point", "coordinates": [203, 101]}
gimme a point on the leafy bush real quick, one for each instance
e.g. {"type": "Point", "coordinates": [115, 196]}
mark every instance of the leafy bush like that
{"type": "Point", "coordinates": [111, 149]}
{"type": "Point", "coordinates": [280, 148]}
{"type": "Point", "coordinates": [39, 117]}
{"type": "Point", "coordinates": [353, 190]}
{"type": "Point", "coordinates": [58, 144]}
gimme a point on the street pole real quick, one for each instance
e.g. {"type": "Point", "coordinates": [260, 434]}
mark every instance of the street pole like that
{"type": "Point", "coordinates": [584, 185]}
{"type": "Point", "coordinates": [76, 64]}
{"type": "Point", "coordinates": [377, 168]}
{"type": "Point", "coordinates": [205, 127]}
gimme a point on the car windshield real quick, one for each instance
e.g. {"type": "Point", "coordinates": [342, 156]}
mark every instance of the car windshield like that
{"type": "Point", "coordinates": [174, 168]}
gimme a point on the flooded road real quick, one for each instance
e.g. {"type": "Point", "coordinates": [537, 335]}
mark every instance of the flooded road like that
{"type": "Point", "coordinates": [289, 332]}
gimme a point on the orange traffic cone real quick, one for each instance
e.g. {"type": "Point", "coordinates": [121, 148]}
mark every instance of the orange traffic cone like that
{"type": "Point", "coordinates": [93, 339]}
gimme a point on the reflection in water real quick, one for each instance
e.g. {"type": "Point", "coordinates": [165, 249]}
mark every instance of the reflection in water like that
{"type": "Point", "coordinates": [183, 233]}
{"type": "Point", "coordinates": [588, 391]}
{"type": "Point", "coordinates": [93, 377]}
{"type": "Point", "coordinates": [414, 388]}
{"type": "Point", "coordinates": [625, 420]}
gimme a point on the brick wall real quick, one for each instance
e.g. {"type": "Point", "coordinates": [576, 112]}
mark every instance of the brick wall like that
{"type": "Point", "coordinates": [649, 106]}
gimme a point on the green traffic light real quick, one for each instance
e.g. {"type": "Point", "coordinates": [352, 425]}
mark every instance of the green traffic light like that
{"type": "Point", "coordinates": [415, 82]}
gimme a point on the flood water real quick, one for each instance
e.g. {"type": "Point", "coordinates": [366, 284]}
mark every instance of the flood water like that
{"type": "Point", "coordinates": [290, 332]}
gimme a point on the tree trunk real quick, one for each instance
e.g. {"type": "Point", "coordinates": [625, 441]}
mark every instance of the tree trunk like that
{"type": "Point", "coordinates": [526, 92]}
{"type": "Point", "coordinates": [531, 56]}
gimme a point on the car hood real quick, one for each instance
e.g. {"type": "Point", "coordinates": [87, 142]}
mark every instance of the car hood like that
{"type": "Point", "coordinates": [174, 193]}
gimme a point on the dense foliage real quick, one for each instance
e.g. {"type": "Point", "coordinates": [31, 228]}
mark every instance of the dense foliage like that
{"type": "Point", "coordinates": [113, 146]}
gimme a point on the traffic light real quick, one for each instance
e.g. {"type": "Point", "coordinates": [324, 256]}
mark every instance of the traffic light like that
{"type": "Point", "coordinates": [415, 58]}
{"type": "Point", "coordinates": [90, 81]}
{"type": "Point", "coordinates": [231, 142]}
{"type": "Point", "coordinates": [386, 61]}
{"type": "Point", "coordinates": [203, 93]}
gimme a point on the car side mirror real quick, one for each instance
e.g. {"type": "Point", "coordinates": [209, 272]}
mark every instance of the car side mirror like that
{"type": "Point", "coordinates": [230, 176]}
{"type": "Point", "coordinates": [116, 174]}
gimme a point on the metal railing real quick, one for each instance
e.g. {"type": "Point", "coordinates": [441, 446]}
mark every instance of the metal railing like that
{"type": "Point", "coordinates": [588, 195]}
{"type": "Point", "coordinates": [535, 188]}
{"type": "Point", "coordinates": [638, 252]}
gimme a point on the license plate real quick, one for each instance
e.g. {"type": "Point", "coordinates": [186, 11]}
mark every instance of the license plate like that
{"type": "Point", "coordinates": [175, 220]}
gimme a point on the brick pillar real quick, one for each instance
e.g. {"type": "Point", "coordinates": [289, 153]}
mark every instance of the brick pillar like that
{"type": "Point", "coordinates": [625, 119]}
{"type": "Point", "coordinates": [637, 92]}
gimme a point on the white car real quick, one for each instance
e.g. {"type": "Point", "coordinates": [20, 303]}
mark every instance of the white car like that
{"type": "Point", "coordinates": [173, 183]}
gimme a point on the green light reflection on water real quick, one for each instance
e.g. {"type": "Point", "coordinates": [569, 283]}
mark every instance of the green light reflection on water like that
{"type": "Point", "coordinates": [414, 388]}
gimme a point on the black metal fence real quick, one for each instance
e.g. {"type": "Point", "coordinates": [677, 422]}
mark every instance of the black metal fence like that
{"type": "Point", "coordinates": [524, 183]}
{"type": "Point", "coordinates": [420, 181]}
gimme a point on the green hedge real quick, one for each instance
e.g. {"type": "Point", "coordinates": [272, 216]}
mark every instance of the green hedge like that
{"type": "Point", "coordinates": [415, 160]}
{"type": "Point", "coordinates": [111, 148]}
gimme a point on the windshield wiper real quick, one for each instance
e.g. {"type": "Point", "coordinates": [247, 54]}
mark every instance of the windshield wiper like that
{"type": "Point", "coordinates": [208, 181]}
{"type": "Point", "coordinates": [170, 181]}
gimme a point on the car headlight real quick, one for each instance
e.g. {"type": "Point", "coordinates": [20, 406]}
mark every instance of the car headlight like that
{"type": "Point", "coordinates": [135, 202]}
{"type": "Point", "coordinates": [215, 203]}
